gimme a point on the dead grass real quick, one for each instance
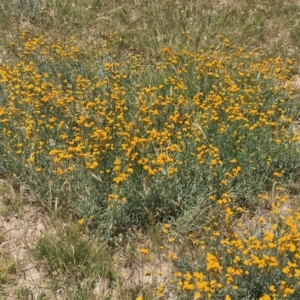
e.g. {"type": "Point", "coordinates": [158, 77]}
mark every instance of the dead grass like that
{"type": "Point", "coordinates": [271, 26]}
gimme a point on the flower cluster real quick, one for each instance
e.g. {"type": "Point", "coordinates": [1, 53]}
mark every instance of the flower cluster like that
{"type": "Point", "coordinates": [132, 138]}
{"type": "Point", "coordinates": [258, 261]}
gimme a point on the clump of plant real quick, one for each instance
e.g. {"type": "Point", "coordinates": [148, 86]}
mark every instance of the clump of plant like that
{"type": "Point", "coordinates": [73, 262]}
{"type": "Point", "coordinates": [130, 140]}
{"type": "Point", "coordinates": [258, 260]}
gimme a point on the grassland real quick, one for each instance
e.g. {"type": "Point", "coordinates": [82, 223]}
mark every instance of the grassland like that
{"type": "Point", "coordinates": [149, 149]}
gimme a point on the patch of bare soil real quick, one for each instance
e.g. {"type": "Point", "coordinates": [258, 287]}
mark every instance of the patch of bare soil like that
{"type": "Point", "coordinates": [296, 83]}
{"type": "Point", "coordinates": [19, 232]}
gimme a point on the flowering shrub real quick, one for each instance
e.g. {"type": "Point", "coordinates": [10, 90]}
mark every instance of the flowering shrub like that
{"type": "Point", "coordinates": [260, 261]}
{"type": "Point", "coordinates": [130, 140]}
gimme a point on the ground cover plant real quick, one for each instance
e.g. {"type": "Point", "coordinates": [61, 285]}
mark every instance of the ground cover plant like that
{"type": "Point", "coordinates": [119, 142]}
{"type": "Point", "coordinates": [161, 120]}
{"type": "Point", "coordinates": [245, 261]}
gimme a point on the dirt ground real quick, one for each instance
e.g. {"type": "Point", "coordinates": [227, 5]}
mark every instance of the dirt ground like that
{"type": "Point", "coordinates": [19, 229]}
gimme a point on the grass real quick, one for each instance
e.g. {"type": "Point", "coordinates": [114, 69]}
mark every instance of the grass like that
{"type": "Point", "coordinates": [7, 267]}
{"type": "Point", "coordinates": [147, 26]}
{"type": "Point", "coordinates": [160, 139]}
{"type": "Point", "coordinates": [74, 261]}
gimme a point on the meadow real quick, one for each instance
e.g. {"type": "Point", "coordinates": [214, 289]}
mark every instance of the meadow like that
{"type": "Point", "coordinates": [161, 139]}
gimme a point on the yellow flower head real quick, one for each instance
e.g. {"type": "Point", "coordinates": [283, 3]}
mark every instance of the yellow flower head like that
{"type": "Point", "coordinates": [144, 251]}
{"type": "Point", "coordinates": [81, 221]}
